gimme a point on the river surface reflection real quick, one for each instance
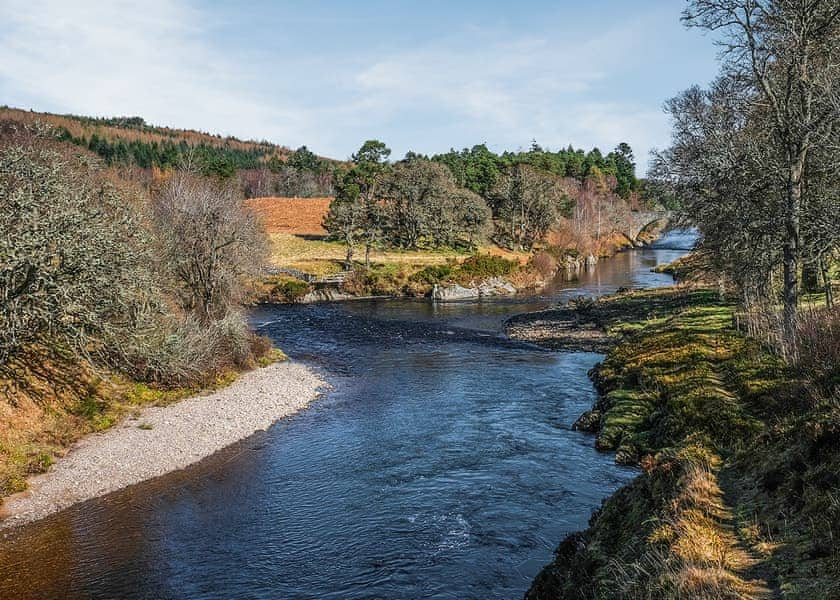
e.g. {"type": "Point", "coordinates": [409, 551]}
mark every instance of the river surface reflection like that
{"type": "Point", "coordinates": [443, 465]}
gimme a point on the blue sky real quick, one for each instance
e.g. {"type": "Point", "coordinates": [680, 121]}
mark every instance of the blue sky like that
{"type": "Point", "coordinates": [422, 76]}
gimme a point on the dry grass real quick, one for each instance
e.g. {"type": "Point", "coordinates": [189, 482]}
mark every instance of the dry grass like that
{"type": "Point", "coordinates": [297, 216]}
{"type": "Point", "coordinates": [711, 558]}
{"type": "Point", "coordinates": [693, 550]}
{"type": "Point", "coordinates": [321, 257]}
{"type": "Point", "coordinates": [39, 421]}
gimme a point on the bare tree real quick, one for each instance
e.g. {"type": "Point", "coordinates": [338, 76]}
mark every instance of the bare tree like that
{"type": "Point", "coordinates": [210, 242]}
{"type": "Point", "coordinates": [527, 203]}
{"type": "Point", "coordinates": [718, 165]}
{"type": "Point", "coordinates": [786, 55]}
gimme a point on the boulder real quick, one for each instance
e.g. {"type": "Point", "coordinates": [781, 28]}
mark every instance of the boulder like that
{"type": "Point", "coordinates": [590, 422]}
{"type": "Point", "coordinates": [325, 295]}
{"type": "Point", "coordinates": [449, 293]}
{"type": "Point", "coordinates": [495, 286]}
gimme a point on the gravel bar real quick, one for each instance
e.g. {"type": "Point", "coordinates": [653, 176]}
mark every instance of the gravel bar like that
{"type": "Point", "coordinates": [164, 439]}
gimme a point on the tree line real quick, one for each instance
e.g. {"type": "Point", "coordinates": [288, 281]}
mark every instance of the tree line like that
{"type": "Point", "coordinates": [260, 170]}
{"type": "Point", "coordinates": [755, 155]}
{"type": "Point", "coordinates": [479, 169]}
{"type": "Point", "coordinates": [459, 199]}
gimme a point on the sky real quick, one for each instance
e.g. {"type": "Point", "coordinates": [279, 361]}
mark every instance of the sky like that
{"type": "Point", "coordinates": [422, 76]}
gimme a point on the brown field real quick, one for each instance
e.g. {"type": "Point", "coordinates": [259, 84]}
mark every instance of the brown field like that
{"type": "Point", "coordinates": [296, 216]}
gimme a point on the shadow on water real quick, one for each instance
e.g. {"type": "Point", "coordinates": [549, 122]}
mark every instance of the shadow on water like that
{"type": "Point", "coordinates": [443, 465]}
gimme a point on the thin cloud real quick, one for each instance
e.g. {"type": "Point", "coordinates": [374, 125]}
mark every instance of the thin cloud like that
{"type": "Point", "coordinates": [122, 57]}
{"type": "Point", "coordinates": [170, 62]}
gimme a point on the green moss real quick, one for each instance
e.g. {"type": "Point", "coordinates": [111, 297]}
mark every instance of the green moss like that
{"type": "Point", "coordinates": [140, 394]}
{"type": "Point", "coordinates": [682, 374]}
{"type": "Point", "coordinates": [684, 393]}
{"type": "Point", "coordinates": [21, 460]}
{"type": "Point", "coordinates": [274, 356]}
{"type": "Point", "coordinates": [484, 266]}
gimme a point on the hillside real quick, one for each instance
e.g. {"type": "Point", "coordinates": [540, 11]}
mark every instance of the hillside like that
{"type": "Point", "coordinates": [133, 141]}
{"type": "Point", "coordinates": [140, 149]}
{"type": "Point", "coordinates": [134, 132]}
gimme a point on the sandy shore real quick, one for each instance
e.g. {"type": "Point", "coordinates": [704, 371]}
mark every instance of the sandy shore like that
{"type": "Point", "coordinates": [165, 439]}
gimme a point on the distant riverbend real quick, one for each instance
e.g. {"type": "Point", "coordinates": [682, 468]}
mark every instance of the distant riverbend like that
{"type": "Point", "coordinates": [443, 465]}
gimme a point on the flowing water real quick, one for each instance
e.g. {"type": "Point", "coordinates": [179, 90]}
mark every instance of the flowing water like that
{"type": "Point", "coordinates": [443, 465]}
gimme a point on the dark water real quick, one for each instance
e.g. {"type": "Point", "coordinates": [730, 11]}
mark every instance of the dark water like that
{"type": "Point", "coordinates": [442, 466]}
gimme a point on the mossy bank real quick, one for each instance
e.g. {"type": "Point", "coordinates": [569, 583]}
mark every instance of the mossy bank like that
{"type": "Point", "coordinates": [739, 494]}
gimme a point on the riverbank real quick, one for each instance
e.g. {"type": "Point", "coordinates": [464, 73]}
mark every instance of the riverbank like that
{"type": "Point", "coordinates": [588, 325]}
{"type": "Point", "coordinates": [740, 456]}
{"type": "Point", "coordinates": [443, 277]}
{"type": "Point", "coordinates": [157, 440]}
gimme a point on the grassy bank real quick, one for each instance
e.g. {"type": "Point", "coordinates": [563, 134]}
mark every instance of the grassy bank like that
{"type": "Point", "coordinates": [739, 495]}
{"type": "Point", "coordinates": [413, 273]}
{"type": "Point", "coordinates": [321, 257]}
{"type": "Point", "coordinates": [391, 272]}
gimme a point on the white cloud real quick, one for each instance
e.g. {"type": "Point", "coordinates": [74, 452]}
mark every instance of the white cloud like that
{"type": "Point", "coordinates": [123, 57]}
{"type": "Point", "coordinates": [160, 59]}
{"type": "Point", "coordinates": [509, 92]}
{"type": "Point", "coordinates": [491, 80]}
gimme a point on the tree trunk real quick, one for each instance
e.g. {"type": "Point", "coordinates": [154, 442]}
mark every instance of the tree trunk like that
{"type": "Point", "coordinates": [829, 294]}
{"type": "Point", "coordinates": [790, 258]}
{"type": "Point", "coordinates": [348, 263]}
{"type": "Point", "coordinates": [367, 255]}
{"type": "Point", "coordinates": [810, 278]}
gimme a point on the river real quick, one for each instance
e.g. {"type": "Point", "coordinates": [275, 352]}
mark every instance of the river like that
{"type": "Point", "coordinates": [442, 465]}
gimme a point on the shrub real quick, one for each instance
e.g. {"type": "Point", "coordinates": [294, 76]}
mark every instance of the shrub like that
{"type": "Point", "coordinates": [383, 280]}
{"type": "Point", "coordinates": [432, 274]}
{"type": "Point", "coordinates": [75, 276]}
{"type": "Point", "coordinates": [545, 264]}
{"type": "Point", "coordinates": [485, 266]}
{"type": "Point", "coordinates": [184, 352]}
{"type": "Point", "coordinates": [819, 347]}
{"type": "Point", "coordinates": [289, 290]}
{"type": "Point", "coordinates": [210, 243]}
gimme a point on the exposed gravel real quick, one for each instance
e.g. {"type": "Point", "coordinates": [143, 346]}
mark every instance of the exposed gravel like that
{"type": "Point", "coordinates": [164, 439]}
{"type": "Point", "coordinates": [559, 329]}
